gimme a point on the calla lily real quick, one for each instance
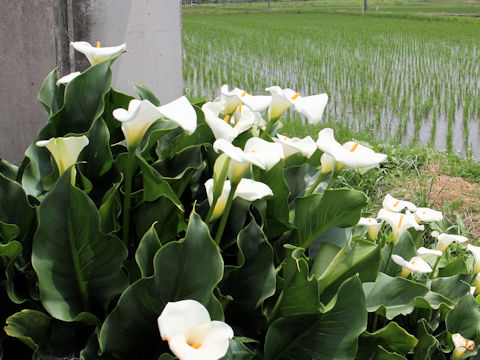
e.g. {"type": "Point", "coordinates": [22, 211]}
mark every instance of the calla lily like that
{"type": "Point", "coordinates": [416, 264]}
{"type": "Point", "coordinates": [475, 250]}
{"type": "Point", "coordinates": [232, 99]}
{"type": "Point", "coordinates": [67, 78]}
{"type": "Point", "coordinates": [311, 107]}
{"type": "Point", "coordinates": [399, 222]}
{"type": "Point", "coordinates": [258, 152]}
{"type": "Point", "coordinates": [428, 215]}
{"type": "Point", "coordinates": [392, 204]}
{"type": "Point", "coordinates": [424, 252]}
{"type": "Point", "coordinates": [373, 226]}
{"type": "Point", "coordinates": [293, 145]}
{"type": "Point", "coordinates": [354, 155]}
{"type": "Point", "coordinates": [475, 290]}
{"type": "Point", "coordinates": [141, 114]}
{"type": "Point", "coordinates": [247, 189]}
{"type": "Point", "coordinates": [97, 54]}
{"type": "Point", "coordinates": [191, 334]}
{"type": "Point", "coordinates": [446, 239]}
{"type": "Point", "coordinates": [461, 345]}
{"type": "Point", "coordinates": [221, 128]}
{"type": "Point", "coordinates": [65, 151]}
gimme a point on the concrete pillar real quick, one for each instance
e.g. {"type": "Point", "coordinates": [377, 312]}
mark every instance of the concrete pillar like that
{"type": "Point", "coordinates": [35, 38]}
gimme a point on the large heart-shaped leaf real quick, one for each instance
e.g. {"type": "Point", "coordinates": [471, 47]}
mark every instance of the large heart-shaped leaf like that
{"type": "Point", "coordinates": [391, 337]}
{"type": "Point", "coordinates": [185, 269]}
{"type": "Point", "coordinates": [316, 213]}
{"type": "Point", "coordinates": [78, 268]}
{"type": "Point", "coordinates": [329, 335]}
{"type": "Point", "coordinates": [465, 318]}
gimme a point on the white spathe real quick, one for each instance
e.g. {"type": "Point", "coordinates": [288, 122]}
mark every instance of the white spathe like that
{"type": "Point", "coordinates": [67, 78]}
{"type": "Point", "coordinates": [424, 252]}
{"type": "Point", "coordinates": [399, 222]}
{"type": "Point", "coordinates": [221, 128]}
{"type": "Point", "coordinates": [444, 240]}
{"type": "Point", "coordinates": [247, 189]}
{"type": "Point", "coordinates": [461, 345]}
{"type": "Point", "coordinates": [353, 155]}
{"type": "Point", "coordinates": [423, 214]}
{"type": "Point", "coordinates": [191, 334]}
{"type": "Point", "coordinates": [97, 54]}
{"type": "Point", "coordinates": [141, 114]}
{"type": "Point", "coordinates": [373, 226]}
{"type": "Point", "coordinates": [232, 99]}
{"type": "Point", "coordinates": [395, 205]}
{"type": "Point", "coordinates": [306, 146]}
{"type": "Point", "coordinates": [416, 264]}
{"type": "Point", "coordinates": [475, 250]}
{"type": "Point", "coordinates": [65, 151]}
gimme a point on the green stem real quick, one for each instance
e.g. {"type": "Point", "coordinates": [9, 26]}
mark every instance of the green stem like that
{"type": "Point", "coordinates": [389, 257]}
{"type": "Point", "coordinates": [226, 212]}
{"type": "Point", "coordinates": [332, 179]}
{"type": "Point", "coordinates": [218, 189]}
{"type": "Point", "coordinates": [276, 308]}
{"type": "Point", "coordinates": [374, 325]}
{"type": "Point", "coordinates": [435, 266]}
{"type": "Point", "coordinates": [315, 184]}
{"type": "Point", "coordinates": [266, 132]}
{"type": "Point", "coordinates": [127, 197]}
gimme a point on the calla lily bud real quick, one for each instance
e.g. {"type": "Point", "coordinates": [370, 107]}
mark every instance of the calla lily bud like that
{"type": "Point", "coordinates": [65, 151]}
{"type": "Point", "coordinates": [461, 345]}
{"type": "Point", "coordinates": [373, 226]}
{"type": "Point", "coordinates": [191, 334]}
{"type": "Point", "coordinates": [98, 53]}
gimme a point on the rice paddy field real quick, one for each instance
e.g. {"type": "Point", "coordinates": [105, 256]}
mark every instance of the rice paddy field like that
{"type": "Point", "coordinates": [401, 76]}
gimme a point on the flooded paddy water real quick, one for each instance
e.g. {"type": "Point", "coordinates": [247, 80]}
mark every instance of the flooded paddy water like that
{"type": "Point", "coordinates": [412, 81]}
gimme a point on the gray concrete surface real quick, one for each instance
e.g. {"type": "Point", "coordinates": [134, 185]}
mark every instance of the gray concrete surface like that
{"type": "Point", "coordinates": [35, 38]}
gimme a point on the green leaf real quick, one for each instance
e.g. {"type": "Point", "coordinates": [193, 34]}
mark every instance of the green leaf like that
{"type": "Point", "coordinates": [391, 337]}
{"type": "Point", "coordinates": [146, 94]}
{"type": "Point", "coordinates": [426, 342]}
{"type": "Point", "coordinates": [8, 254]}
{"type": "Point", "coordinates": [465, 318]}
{"type": "Point", "coordinates": [454, 267]}
{"type": "Point", "coordinates": [331, 335]}
{"type": "Point", "coordinates": [49, 338]}
{"type": "Point", "coordinates": [83, 100]}
{"type": "Point", "coordinates": [146, 250]}
{"type": "Point", "coordinates": [383, 354]}
{"type": "Point", "coordinates": [252, 280]}
{"type": "Point", "coordinates": [239, 351]}
{"type": "Point", "coordinates": [50, 95]}
{"type": "Point", "coordinates": [78, 268]}
{"type": "Point", "coordinates": [453, 287]}
{"type": "Point", "coordinates": [110, 210]}
{"type": "Point", "coordinates": [277, 214]}
{"type": "Point", "coordinates": [8, 170]}
{"type": "Point", "coordinates": [316, 213]}
{"type": "Point", "coordinates": [185, 269]}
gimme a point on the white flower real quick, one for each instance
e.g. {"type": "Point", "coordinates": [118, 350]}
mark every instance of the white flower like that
{"type": "Point", "coordinates": [475, 250]}
{"type": "Point", "coordinates": [293, 145]}
{"type": "Point", "coordinates": [141, 114]}
{"type": "Point", "coordinates": [392, 204]}
{"type": "Point", "coordinates": [428, 215]}
{"type": "Point", "coordinates": [416, 264]}
{"type": "Point", "coordinates": [373, 226]}
{"type": "Point", "coordinates": [97, 54]}
{"type": "Point", "coordinates": [233, 98]}
{"type": "Point", "coordinates": [475, 290]}
{"type": "Point", "coordinates": [221, 128]}
{"type": "Point", "coordinates": [446, 239]}
{"type": "Point", "coordinates": [65, 151]}
{"type": "Point", "coordinates": [352, 155]}
{"type": "Point", "coordinates": [399, 222]}
{"type": "Point", "coordinates": [268, 153]}
{"type": "Point", "coordinates": [424, 252]}
{"type": "Point", "coordinates": [311, 107]}
{"type": "Point", "coordinates": [461, 345]}
{"type": "Point", "coordinates": [247, 189]}
{"type": "Point", "coordinates": [191, 334]}
{"type": "Point", "coordinates": [67, 78]}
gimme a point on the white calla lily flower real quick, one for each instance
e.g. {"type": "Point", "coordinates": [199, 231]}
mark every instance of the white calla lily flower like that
{"type": "Point", "coordinates": [232, 99]}
{"type": "Point", "coordinates": [221, 128]}
{"type": "Point", "coordinates": [191, 334]}
{"type": "Point", "coordinates": [97, 54]}
{"type": "Point", "coordinates": [247, 189]}
{"type": "Point", "coordinates": [461, 345]}
{"type": "Point", "coordinates": [416, 264]}
{"type": "Point", "coordinates": [181, 112]}
{"type": "Point", "coordinates": [355, 156]}
{"type": "Point", "coordinates": [67, 78]}
{"type": "Point", "coordinates": [444, 240]}
{"type": "Point", "coordinates": [65, 151]}
{"type": "Point", "coordinates": [399, 222]}
{"type": "Point", "coordinates": [268, 153]}
{"type": "Point", "coordinates": [395, 205]}
{"type": "Point", "coordinates": [291, 146]}
{"type": "Point", "coordinates": [423, 214]}
{"type": "Point", "coordinates": [373, 226]}
{"type": "Point", "coordinates": [424, 252]}
{"type": "Point", "coordinates": [475, 250]}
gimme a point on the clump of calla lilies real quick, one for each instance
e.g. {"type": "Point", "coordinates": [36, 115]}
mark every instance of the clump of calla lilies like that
{"type": "Point", "coordinates": [200, 230]}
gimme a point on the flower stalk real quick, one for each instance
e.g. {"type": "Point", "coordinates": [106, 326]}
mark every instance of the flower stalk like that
{"type": "Point", "coordinates": [218, 187]}
{"type": "Point", "coordinates": [127, 196]}
{"type": "Point", "coordinates": [226, 212]}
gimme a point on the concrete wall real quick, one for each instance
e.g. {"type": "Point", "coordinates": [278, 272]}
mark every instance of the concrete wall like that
{"type": "Point", "coordinates": [35, 38]}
